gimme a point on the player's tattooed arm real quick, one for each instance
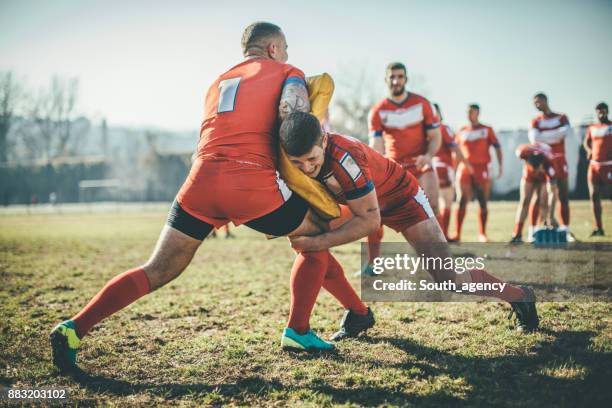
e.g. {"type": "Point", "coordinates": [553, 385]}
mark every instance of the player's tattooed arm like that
{"type": "Point", "coordinates": [294, 98]}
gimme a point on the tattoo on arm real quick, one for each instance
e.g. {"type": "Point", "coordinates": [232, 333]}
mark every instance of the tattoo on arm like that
{"type": "Point", "coordinates": [372, 209]}
{"type": "Point", "coordinates": [293, 98]}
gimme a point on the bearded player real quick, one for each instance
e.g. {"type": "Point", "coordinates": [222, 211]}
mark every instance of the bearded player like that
{"type": "Point", "coordinates": [553, 128]}
{"type": "Point", "coordinates": [538, 170]}
{"type": "Point", "coordinates": [598, 145]}
{"type": "Point", "coordinates": [475, 141]}
{"type": "Point", "coordinates": [233, 179]}
{"type": "Point", "coordinates": [404, 128]}
{"type": "Point", "coordinates": [378, 191]}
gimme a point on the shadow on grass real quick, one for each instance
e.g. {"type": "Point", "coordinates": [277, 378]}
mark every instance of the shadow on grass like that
{"type": "Point", "coordinates": [561, 372]}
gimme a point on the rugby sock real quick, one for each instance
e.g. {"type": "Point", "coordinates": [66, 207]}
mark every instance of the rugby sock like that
{"type": "Point", "coordinates": [307, 276]}
{"type": "Point", "coordinates": [564, 212]}
{"type": "Point", "coordinates": [597, 214]}
{"type": "Point", "coordinates": [445, 215]}
{"type": "Point", "coordinates": [336, 284]}
{"type": "Point", "coordinates": [459, 216]}
{"type": "Point", "coordinates": [374, 240]}
{"type": "Point", "coordinates": [482, 220]}
{"type": "Point", "coordinates": [518, 229]}
{"type": "Point", "coordinates": [509, 294]}
{"type": "Point", "coordinates": [118, 293]}
{"type": "Point", "coordinates": [534, 211]}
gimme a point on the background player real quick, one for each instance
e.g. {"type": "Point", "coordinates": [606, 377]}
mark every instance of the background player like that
{"type": "Point", "coordinates": [475, 141]}
{"type": "Point", "coordinates": [598, 144]}
{"type": "Point", "coordinates": [552, 128]}
{"type": "Point", "coordinates": [404, 127]}
{"type": "Point", "coordinates": [378, 190]}
{"type": "Point", "coordinates": [538, 168]}
{"type": "Point", "coordinates": [444, 164]}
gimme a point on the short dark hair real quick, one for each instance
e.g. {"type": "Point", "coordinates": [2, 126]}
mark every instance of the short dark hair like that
{"type": "Point", "coordinates": [535, 160]}
{"type": "Point", "coordinates": [438, 110]}
{"type": "Point", "coordinates": [396, 65]}
{"type": "Point", "coordinates": [541, 95]}
{"type": "Point", "coordinates": [601, 106]}
{"type": "Point", "coordinates": [255, 35]}
{"type": "Point", "coordinates": [299, 132]}
{"type": "Point", "coordinates": [474, 106]}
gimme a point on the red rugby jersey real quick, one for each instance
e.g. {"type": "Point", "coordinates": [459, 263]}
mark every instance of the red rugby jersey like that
{"type": "Point", "coordinates": [475, 143]}
{"type": "Point", "coordinates": [599, 135]}
{"type": "Point", "coordinates": [444, 155]}
{"type": "Point", "coordinates": [551, 130]}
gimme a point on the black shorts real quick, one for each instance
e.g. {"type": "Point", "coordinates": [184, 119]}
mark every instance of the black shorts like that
{"type": "Point", "coordinates": [278, 223]}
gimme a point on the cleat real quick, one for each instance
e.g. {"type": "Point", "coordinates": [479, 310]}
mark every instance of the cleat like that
{"type": "Point", "coordinates": [65, 345]}
{"type": "Point", "coordinates": [294, 341]}
{"type": "Point", "coordinates": [453, 239]}
{"type": "Point", "coordinates": [597, 233]}
{"type": "Point", "coordinates": [367, 270]}
{"type": "Point", "coordinates": [516, 239]}
{"type": "Point", "coordinates": [483, 238]}
{"type": "Point", "coordinates": [353, 324]}
{"type": "Point", "coordinates": [525, 311]}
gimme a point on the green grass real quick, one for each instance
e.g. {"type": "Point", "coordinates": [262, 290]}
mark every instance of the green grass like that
{"type": "Point", "coordinates": [211, 337]}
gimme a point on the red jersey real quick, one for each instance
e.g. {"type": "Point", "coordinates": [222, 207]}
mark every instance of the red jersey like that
{"type": "Point", "coordinates": [241, 112]}
{"type": "Point", "coordinates": [475, 143]}
{"type": "Point", "coordinates": [552, 130]}
{"type": "Point", "coordinates": [352, 169]}
{"type": "Point", "coordinates": [599, 137]}
{"type": "Point", "coordinates": [403, 126]}
{"type": "Point", "coordinates": [444, 155]}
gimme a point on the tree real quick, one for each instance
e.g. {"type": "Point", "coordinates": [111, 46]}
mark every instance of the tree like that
{"type": "Point", "coordinates": [10, 97]}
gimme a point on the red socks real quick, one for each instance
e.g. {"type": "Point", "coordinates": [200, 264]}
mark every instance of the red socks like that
{"type": "Point", "coordinates": [307, 276]}
{"type": "Point", "coordinates": [118, 293]}
{"type": "Point", "coordinates": [336, 284]}
{"type": "Point", "coordinates": [444, 220]}
{"type": "Point", "coordinates": [518, 229]}
{"type": "Point", "coordinates": [509, 294]}
{"type": "Point", "coordinates": [534, 211]}
{"type": "Point", "coordinates": [374, 241]}
{"type": "Point", "coordinates": [564, 212]}
{"type": "Point", "coordinates": [482, 220]}
{"type": "Point", "coordinates": [459, 216]}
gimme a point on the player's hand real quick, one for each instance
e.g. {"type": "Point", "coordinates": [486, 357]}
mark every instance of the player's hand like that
{"type": "Point", "coordinates": [422, 162]}
{"type": "Point", "coordinates": [305, 244]}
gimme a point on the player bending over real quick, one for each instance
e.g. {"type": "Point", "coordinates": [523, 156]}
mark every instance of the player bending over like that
{"type": "Point", "coordinates": [378, 190]}
{"type": "Point", "coordinates": [598, 144]}
{"type": "Point", "coordinates": [537, 172]}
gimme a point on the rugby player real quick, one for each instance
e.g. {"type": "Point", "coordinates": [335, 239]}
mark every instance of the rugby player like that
{"type": "Point", "coordinates": [378, 191]}
{"type": "Point", "coordinates": [475, 141]}
{"type": "Point", "coordinates": [233, 179]}
{"type": "Point", "coordinates": [404, 127]}
{"type": "Point", "coordinates": [552, 128]}
{"type": "Point", "coordinates": [538, 168]}
{"type": "Point", "coordinates": [598, 144]}
{"type": "Point", "coordinates": [445, 170]}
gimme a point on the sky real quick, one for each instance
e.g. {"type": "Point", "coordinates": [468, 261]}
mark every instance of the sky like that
{"type": "Point", "coordinates": [149, 63]}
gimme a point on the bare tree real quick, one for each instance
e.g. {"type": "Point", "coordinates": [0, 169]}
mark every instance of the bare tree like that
{"type": "Point", "coordinates": [10, 97]}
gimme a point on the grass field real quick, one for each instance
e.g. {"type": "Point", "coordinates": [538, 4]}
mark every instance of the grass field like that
{"type": "Point", "coordinates": [211, 336]}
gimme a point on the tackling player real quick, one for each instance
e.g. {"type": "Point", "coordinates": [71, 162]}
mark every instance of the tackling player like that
{"type": "Point", "coordinates": [378, 190]}
{"type": "Point", "coordinates": [552, 128]}
{"type": "Point", "coordinates": [475, 141]}
{"type": "Point", "coordinates": [598, 144]}
{"type": "Point", "coordinates": [538, 169]}
{"type": "Point", "coordinates": [445, 170]}
{"type": "Point", "coordinates": [233, 179]}
{"type": "Point", "coordinates": [404, 127]}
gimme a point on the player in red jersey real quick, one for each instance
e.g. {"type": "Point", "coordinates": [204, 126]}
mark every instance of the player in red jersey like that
{"type": "Point", "coordinates": [475, 141]}
{"type": "Point", "coordinates": [444, 164]}
{"type": "Point", "coordinates": [378, 190]}
{"type": "Point", "coordinates": [598, 144]}
{"type": "Point", "coordinates": [404, 128]}
{"type": "Point", "coordinates": [552, 128]}
{"type": "Point", "coordinates": [233, 179]}
{"type": "Point", "coordinates": [538, 169]}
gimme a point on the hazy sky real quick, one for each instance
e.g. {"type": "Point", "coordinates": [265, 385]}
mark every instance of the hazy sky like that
{"type": "Point", "coordinates": [150, 62]}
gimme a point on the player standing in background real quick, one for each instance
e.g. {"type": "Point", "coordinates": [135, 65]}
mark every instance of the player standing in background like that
{"type": "Point", "coordinates": [598, 144]}
{"type": "Point", "coordinates": [445, 170]}
{"type": "Point", "coordinates": [552, 128]}
{"type": "Point", "coordinates": [538, 169]}
{"type": "Point", "coordinates": [403, 127]}
{"type": "Point", "coordinates": [475, 141]}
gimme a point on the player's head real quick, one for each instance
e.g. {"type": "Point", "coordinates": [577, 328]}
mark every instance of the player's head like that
{"type": "Point", "coordinates": [396, 78]}
{"type": "Point", "coordinates": [536, 161]}
{"type": "Point", "coordinates": [540, 101]}
{"type": "Point", "coordinates": [304, 141]}
{"type": "Point", "coordinates": [438, 111]}
{"type": "Point", "coordinates": [602, 111]}
{"type": "Point", "coordinates": [264, 40]}
{"type": "Point", "coordinates": [473, 112]}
